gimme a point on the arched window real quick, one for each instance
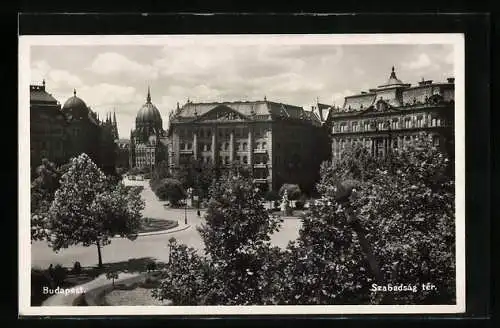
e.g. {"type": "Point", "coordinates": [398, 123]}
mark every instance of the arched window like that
{"type": "Point", "coordinates": [244, 146]}
{"type": "Point", "coordinates": [264, 145]}
{"type": "Point", "coordinates": [245, 160]}
{"type": "Point", "coordinates": [226, 146]}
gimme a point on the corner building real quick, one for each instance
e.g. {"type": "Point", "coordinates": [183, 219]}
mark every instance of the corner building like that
{"type": "Point", "coordinates": [59, 133]}
{"type": "Point", "coordinates": [392, 115]}
{"type": "Point", "coordinates": [278, 142]}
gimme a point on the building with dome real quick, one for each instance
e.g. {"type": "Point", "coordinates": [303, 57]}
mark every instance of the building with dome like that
{"type": "Point", "coordinates": [59, 133]}
{"type": "Point", "coordinates": [278, 143]}
{"type": "Point", "coordinates": [392, 115]}
{"type": "Point", "coordinates": [148, 142]}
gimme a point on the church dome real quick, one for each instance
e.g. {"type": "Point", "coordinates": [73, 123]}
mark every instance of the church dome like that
{"type": "Point", "coordinates": [393, 80]}
{"type": "Point", "coordinates": [148, 114]}
{"type": "Point", "coordinates": [75, 107]}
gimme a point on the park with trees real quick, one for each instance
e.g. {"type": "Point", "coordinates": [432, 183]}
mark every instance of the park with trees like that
{"type": "Point", "coordinates": [378, 221]}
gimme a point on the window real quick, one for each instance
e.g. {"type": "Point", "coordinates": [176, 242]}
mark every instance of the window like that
{"type": "Point", "coordinates": [264, 145]}
{"type": "Point", "coordinates": [355, 126]}
{"type": "Point", "coordinates": [244, 146]}
{"type": "Point", "coordinates": [182, 145]}
{"type": "Point", "coordinates": [257, 145]}
{"type": "Point", "coordinates": [209, 133]}
{"type": "Point", "coordinates": [394, 123]}
{"type": "Point", "coordinates": [190, 146]}
{"type": "Point", "coordinates": [245, 160]}
{"type": "Point", "coordinates": [226, 146]}
{"type": "Point", "coordinates": [226, 160]}
{"type": "Point", "coordinates": [209, 147]}
{"type": "Point", "coordinates": [238, 158]}
{"type": "Point", "coordinates": [407, 123]}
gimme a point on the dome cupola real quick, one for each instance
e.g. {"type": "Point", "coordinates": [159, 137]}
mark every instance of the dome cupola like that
{"type": "Point", "coordinates": [148, 114]}
{"type": "Point", "coordinates": [75, 107]}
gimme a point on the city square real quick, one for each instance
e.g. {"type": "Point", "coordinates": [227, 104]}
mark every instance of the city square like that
{"type": "Point", "coordinates": [158, 183]}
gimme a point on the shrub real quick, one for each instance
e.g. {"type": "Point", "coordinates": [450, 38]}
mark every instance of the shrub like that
{"type": "Point", "coordinates": [39, 279]}
{"type": "Point", "coordinates": [293, 191]}
{"type": "Point", "coordinates": [59, 273]}
{"type": "Point", "coordinates": [299, 204]}
{"type": "Point", "coordinates": [77, 268]}
{"type": "Point", "coordinates": [171, 190]}
{"type": "Point", "coordinates": [151, 266]}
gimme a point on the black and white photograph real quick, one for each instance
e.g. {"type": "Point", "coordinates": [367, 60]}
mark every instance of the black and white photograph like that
{"type": "Point", "coordinates": [249, 174]}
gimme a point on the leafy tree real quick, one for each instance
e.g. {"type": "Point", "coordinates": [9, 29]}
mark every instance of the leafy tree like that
{"type": "Point", "coordinates": [293, 191]}
{"type": "Point", "coordinates": [171, 190]}
{"type": "Point", "coordinates": [394, 227]}
{"type": "Point", "coordinates": [161, 171]}
{"type": "Point", "coordinates": [87, 209]}
{"type": "Point", "coordinates": [236, 266]}
{"type": "Point", "coordinates": [196, 174]}
{"type": "Point", "coordinates": [271, 196]}
{"type": "Point", "coordinates": [43, 188]}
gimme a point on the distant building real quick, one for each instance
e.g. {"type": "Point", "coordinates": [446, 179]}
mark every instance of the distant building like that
{"type": "Point", "coordinates": [279, 143]}
{"type": "Point", "coordinates": [123, 156]}
{"type": "Point", "coordinates": [148, 143]}
{"type": "Point", "coordinates": [392, 115]}
{"type": "Point", "coordinates": [60, 133]}
{"type": "Point", "coordinates": [47, 127]}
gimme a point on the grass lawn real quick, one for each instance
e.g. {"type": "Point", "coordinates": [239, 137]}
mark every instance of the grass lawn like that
{"type": "Point", "coordinates": [152, 225]}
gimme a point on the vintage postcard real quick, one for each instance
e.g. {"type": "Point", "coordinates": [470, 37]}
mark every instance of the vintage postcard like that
{"type": "Point", "coordinates": [241, 174]}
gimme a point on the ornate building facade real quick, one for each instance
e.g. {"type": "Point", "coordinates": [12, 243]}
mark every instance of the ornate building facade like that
{"type": "Point", "coordinates": [47, 127]}
{"type": "Point", "coordinates": [148, 142]}
{"type": "Point", "coordinates": [392, 115]}
{"type": "Point", "coordinates": [60, 133]}
{"type": "Point", "coordinates": [278, 142]}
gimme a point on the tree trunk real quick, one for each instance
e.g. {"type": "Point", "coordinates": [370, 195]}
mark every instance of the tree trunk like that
{"type": "Point", "coordinates": [367, 250]}
{"type": "Point", "coordinates": [99, 254]}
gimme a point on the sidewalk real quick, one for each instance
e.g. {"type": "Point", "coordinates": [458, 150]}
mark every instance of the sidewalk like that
{"type": "Point", "coordinates": [100, 281]}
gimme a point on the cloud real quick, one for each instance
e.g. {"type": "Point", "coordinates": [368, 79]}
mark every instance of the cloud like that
{"type": "Point", "coordinates": [55, 78]}
{"type": "Point", "coordinates": [450, 58]}
{"type": "Point", "coordinates": [338, 97]}
{"type": "Point", "coordinates": [111, 63]}
{"type": "Point", "coordinates": [422, 61]}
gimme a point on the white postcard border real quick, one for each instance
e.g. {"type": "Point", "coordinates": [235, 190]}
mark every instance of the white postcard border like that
{"type": "Point", "coordinates": [25, 42]}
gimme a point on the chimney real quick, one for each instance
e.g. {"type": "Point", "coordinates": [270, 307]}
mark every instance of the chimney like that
{"type": "Point", "coordinates": [451, 80]}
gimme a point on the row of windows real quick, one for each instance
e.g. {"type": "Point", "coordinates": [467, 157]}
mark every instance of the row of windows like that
{"type": "Point", "coordinates": [341, 144]}
{"type": "Point", "coordinates": [207, 133]}
{"type": "Point", "coordinates": [222, 146]}
{"type": "Point", "coordinates": [407, 123]}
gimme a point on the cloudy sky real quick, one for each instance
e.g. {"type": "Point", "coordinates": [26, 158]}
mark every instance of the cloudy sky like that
{"type": "Point", "coordinates": [117, 76]}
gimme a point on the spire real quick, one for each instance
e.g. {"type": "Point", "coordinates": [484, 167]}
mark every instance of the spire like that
{"type": "Point", "coordinates": [148, 99]}
{"type": "Point", "coordinates": [265, 99]}
{"type": "Point", "coordinates": [393, 74]}
{"type": "Point", "coordinates": [114, 117]}
{"type": "Point", "coordinates": [74, 92]}
{"type": "Point", "coordinates": [43, 83]}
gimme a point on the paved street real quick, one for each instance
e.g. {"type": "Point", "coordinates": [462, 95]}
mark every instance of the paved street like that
{"type": "Point", "coordinates": [154, 246]}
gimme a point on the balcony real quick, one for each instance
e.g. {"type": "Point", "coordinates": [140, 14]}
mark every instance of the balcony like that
{"type": "Point", "coordinates": [260, 166]}
{"type": "Point", "coordinates": [186, 151]}
{"type": "Point", "coordinates": [260, 180]}
{"type": "Point", "coordinates": [260, 151]}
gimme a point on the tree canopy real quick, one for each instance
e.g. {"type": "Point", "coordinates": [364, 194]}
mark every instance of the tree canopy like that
{"type": "Point", "coordinates": [89, 210]}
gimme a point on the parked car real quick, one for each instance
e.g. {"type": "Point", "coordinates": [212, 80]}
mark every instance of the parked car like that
{"type": "Point", "coordinates": [132, 177]}
{"type": "Point", "coordinates": [140, 178]}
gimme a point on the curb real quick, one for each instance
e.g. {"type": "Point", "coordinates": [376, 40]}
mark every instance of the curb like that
{"type": "Point", "coordinates": [163, 232]}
